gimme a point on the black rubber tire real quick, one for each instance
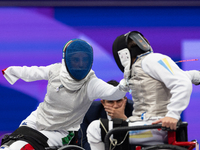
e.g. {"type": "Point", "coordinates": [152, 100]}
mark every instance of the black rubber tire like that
{"type": "Point", "coordinates": [71, 147]}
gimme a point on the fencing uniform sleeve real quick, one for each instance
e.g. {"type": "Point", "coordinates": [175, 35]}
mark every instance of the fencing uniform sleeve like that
{"type": "Point", "coordinates": [97, 88]}
{"type": "Point", "coordinates": [162, 68]}
{"type": "Point", "coordinates": [28, 74]}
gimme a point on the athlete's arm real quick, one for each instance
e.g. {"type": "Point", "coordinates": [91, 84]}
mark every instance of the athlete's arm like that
{"type": "Point", "coordinates": [97, 88]}
{"type": "Point", "coordinates": [28, 74]}
{"type": "Point", "coordinates": [162, 68]}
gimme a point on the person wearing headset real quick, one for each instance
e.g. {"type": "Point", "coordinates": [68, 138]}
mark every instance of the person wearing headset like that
{"type": "Point", "coordinates": [160, 90]}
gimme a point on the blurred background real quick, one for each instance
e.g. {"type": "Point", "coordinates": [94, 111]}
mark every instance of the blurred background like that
{"type": "Point", "coordinates": [33, 32]}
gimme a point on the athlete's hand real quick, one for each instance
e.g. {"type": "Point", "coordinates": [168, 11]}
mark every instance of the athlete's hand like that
{"type": "Point", "coordinates": [3, 71]}
{"type": "Point", "coordinates": [167, 122]}
{"type": "Point", "coordinates": [123, 86]}
{"type": "Point", "coordinates": [117, 112]}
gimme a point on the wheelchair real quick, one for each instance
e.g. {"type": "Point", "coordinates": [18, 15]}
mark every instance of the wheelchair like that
{"type": "Point", "coordinates": [177, 139]}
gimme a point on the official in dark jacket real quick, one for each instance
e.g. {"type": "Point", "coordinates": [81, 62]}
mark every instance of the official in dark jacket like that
{"type": "Point", "coordinates": [121, 108]}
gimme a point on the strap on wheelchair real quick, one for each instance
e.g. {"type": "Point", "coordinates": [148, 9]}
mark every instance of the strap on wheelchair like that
{"type": "Point", "coordinates": [121, 137]}
{"type": "Point", "coordinates": [181, 132]}
{"type": "Point", "coordinates": [24, 133]}
{"type": "Point", "coordinates": [104, 128]}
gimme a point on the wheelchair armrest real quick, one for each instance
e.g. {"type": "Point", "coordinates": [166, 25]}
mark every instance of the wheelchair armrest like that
{"type": "Point", "coordinates": [182, 124]}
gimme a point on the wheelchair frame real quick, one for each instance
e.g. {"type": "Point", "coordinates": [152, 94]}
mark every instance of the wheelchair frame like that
{"type": "Point", "coordinates": [171, 137]}
{"type": "Point", "coordinates": [172, 141]}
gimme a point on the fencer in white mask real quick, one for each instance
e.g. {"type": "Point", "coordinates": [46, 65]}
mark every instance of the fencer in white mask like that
{"type": "Point", "coordinates": [160, 91]}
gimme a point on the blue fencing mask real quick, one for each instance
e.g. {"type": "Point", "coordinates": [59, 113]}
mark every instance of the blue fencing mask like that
{"type": "Point", "coordinates": [78, 57]}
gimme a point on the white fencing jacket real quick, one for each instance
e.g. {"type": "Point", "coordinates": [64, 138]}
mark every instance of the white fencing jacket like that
{"type": "Point", "coordinates": [66, 100]}
{"type": "Point", "coordinates": [159, 87]}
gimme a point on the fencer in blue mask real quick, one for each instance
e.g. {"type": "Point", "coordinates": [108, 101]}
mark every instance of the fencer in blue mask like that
{"type": "Point", "coordinates": [72, 86]}
{"type": "Point", "coordinates": [78, 59]}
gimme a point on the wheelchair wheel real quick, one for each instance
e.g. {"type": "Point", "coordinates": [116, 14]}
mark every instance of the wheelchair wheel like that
{"type": "Point", "coordinates": [71, 147]}
{"type": "Point", "coordinates": [164, 146]}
